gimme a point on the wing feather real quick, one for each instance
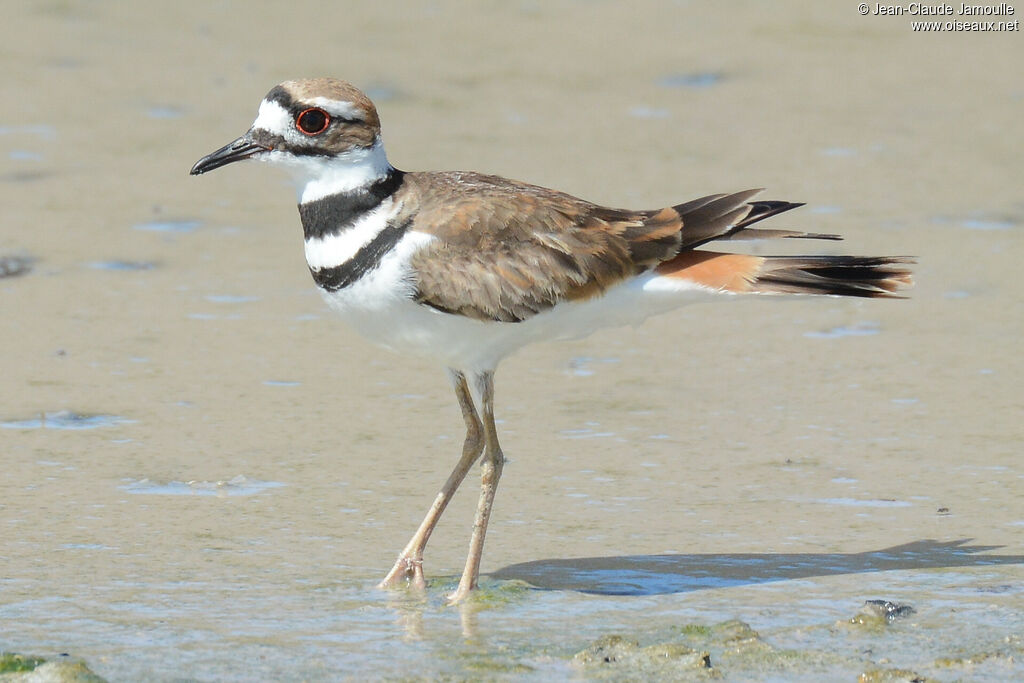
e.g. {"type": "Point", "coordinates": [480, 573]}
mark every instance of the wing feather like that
{"type": "Point", "coordinates": [507, 251]}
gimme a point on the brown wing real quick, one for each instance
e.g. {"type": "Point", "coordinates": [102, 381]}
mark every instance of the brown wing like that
{"type": "Point", "coordinates": [507, 250]}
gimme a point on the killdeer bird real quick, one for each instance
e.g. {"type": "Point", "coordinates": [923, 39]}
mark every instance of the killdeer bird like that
{"type": "Point", "coordinates": [465, 268]}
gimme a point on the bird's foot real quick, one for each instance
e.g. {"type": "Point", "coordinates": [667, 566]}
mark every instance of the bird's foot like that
{"type": "Point", "coordinates": [408, 571]}
{"type": "Point", "coordinates": [464, 590]}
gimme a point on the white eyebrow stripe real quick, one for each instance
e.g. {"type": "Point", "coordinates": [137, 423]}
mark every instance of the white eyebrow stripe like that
{"type": "Point", "coordinates": [341, 109]}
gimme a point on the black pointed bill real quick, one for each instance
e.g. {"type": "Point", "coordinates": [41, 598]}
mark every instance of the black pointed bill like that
{"type": "Point", "coordinates": [242, 148]}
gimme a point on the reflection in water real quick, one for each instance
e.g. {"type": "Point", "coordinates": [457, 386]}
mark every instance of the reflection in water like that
{"type": "Point", "coordinates": [420, 611]}
{"type": "Point", "coordinates": [663, 574]}
{"type": "Point", "coordinates": [409, 606]}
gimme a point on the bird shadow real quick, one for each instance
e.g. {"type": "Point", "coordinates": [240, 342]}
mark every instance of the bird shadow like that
{"type": "Point", "coordinates": [664, 574]}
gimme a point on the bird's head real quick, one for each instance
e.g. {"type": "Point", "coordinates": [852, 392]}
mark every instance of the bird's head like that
{"type": "Point", "coordinates": [325, 132]}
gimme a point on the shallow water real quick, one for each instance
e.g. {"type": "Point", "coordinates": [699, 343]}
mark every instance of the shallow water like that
{"type": "Point", "coordinates": [65, 419]}
{"type": "Point", "coordinates": [205, 474]}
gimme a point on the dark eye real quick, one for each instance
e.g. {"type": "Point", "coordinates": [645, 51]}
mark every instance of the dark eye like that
{"type": "Point", "coordinates": [312, 121]}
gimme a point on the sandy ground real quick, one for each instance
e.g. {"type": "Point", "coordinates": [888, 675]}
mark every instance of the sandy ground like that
{"type": "Point", "coordinates": [815, 428]}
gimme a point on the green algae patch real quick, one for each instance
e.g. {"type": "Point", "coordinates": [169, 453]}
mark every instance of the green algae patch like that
{"type": "Point", "coordinates": [492, 667]}
{"type": "Point", "coordinates": [743, 648]}
{"type": "Point", "coordinates": [607, 650]}
{"type": "Point", "coordinates": [735, 646]}
{"type": "Point", "coordinates": [16, 667]}
{"type": "Point", "coordinates": [680, 656]}
{"type": "Point", "coordinates": [621, 658]}
{"type": "Point", "coordinates": [1005, 653]}
{"type": "Point", "coordinates": [695, 631]}
{"type": "Point", "coordinates": [11, 662]}
{"type": "Point", "coordinates": [969, 660]}
{"type": "Point", "coordinates": [733, 631]}
{"type": "Point", "coordinates": [490, 595]}
{"type": "Point", "coordinates": [892, 676]}
{"type": "Point", "coordinates": [482, 662]}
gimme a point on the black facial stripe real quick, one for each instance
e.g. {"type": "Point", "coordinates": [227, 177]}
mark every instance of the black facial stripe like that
{"type": "Point", "coordinates": [366, 259]}
{"type": "Point", "coordinates": [281, 96]}
{"type": "Point", "coordinates": [306, 151]}
{"type": "Point", "coordinates": [337, 212]}
{"type": "Point", "coordinates": [278, 142]}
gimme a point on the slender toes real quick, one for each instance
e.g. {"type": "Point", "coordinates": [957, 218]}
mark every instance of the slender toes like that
{"type": "Point", "coordinates": [417, 579]}
{"type": "Point", "coordinates": [392, 580]}
{"type": "Point", "coordinates": [406, 572]}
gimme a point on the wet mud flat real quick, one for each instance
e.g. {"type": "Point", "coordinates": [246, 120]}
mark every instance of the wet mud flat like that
{"type": "Point", "coordinates": [511, 631]}
{"type": "Point", "coordinates": [771, 618]}
{"type": "Point", "coordinates": [204, 474]}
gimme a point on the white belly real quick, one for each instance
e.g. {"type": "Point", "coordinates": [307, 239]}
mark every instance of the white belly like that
{"type": "Point", "coordinates": [379, 306]}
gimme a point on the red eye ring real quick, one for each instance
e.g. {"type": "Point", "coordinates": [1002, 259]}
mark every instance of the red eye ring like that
{"type": "Point", "coordinates": [312, 121]}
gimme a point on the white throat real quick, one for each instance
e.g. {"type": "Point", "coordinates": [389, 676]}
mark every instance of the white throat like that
{"type": "Point", "coordinates": [316, 177]}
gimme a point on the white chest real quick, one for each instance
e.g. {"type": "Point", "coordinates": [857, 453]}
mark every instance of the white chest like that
{"type": "Point", "coordinates": [386, 280]}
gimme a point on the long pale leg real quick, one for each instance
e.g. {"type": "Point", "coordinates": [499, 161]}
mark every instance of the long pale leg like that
{"type": "Point", "coordinates": [409, 565]}
{"type": "Point", "coordinates": [492, 464]}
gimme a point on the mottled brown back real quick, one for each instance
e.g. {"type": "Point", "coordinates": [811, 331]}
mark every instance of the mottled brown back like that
{"type": "Point", "coordinates": [508, 250]}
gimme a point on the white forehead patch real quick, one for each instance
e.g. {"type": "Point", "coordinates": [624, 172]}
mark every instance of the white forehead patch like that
{"type": "Point", "coordinates": [339, 108]}
{"type": "Point", "coordinates": [273, 118]}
